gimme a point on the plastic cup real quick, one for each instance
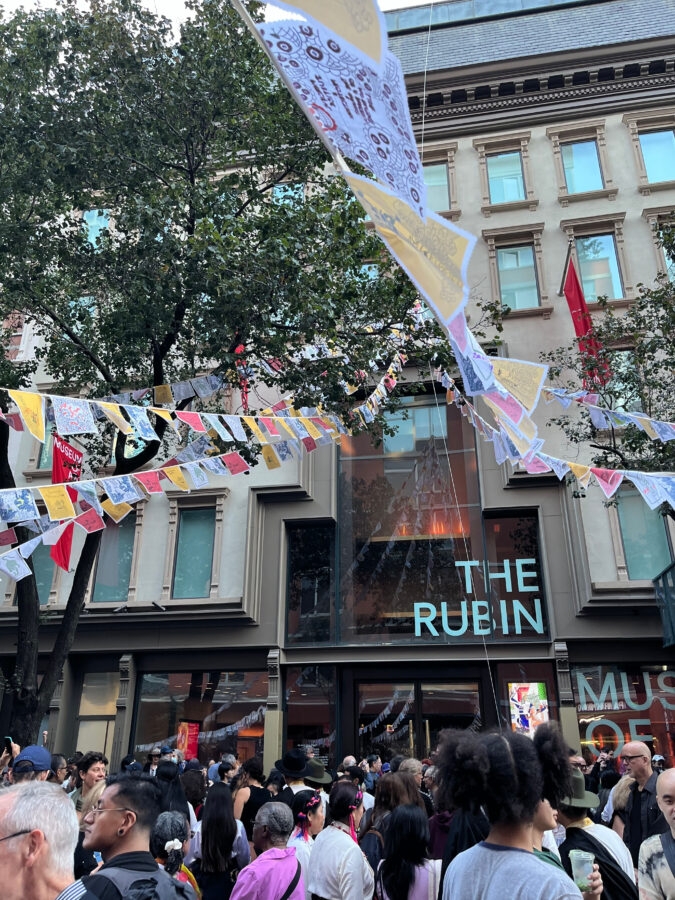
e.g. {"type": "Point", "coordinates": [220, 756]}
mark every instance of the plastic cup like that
{"type": "Point", "coordinates": [582, 868]}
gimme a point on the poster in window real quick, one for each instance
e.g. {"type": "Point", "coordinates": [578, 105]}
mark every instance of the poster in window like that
{"type": "Point", "coordinates": [188, 739]}
{"type": "Point", "coordinates": [528, 705]}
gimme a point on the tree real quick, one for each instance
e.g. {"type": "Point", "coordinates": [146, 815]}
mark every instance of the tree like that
{"type": "Point", "coordinates": [228, 240]}
{"type": "Point", "coordinates": [636, 349]}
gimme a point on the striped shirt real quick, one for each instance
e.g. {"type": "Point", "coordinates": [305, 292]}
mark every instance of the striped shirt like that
{"type": "Point", "coordinates": [73, 892]}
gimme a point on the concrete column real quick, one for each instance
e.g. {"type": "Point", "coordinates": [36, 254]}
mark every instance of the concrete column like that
{"type": "Point", "coordinates": [274, 716]}
{"type": "Point", "coordinates": [125, 711]}
{"type": "Point", "coordinates": [568, 712]}
{"type": "Point", "coordinates": [63, 713]}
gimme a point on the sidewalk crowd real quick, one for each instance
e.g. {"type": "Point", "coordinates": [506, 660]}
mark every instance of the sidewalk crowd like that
{"type": "Point", "coordinates": [491, 816]}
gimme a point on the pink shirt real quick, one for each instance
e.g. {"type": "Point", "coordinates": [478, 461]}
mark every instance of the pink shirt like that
{"type": "Point", "coordinates": [269, 876]}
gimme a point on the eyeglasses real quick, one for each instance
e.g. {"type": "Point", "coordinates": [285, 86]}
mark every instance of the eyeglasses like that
{"type": "Point", "coordinates": [628, 758]}
{"type": "Point", "coordinates": [100, 809]}
{"type": "Point", "coordinates": [579, 766]}
{"type": "Point", "coordinates": [16, 834]}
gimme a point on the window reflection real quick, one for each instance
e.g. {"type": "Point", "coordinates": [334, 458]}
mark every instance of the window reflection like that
{"type": "Point", "coordinates": [311, 710]}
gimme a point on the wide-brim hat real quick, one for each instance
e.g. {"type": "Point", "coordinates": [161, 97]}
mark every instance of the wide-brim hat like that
{"type": "Point", "coordinates": [316, 772]}
{"type": "Point", "coordinates": [580, 798]}
{"type": "Point", "coordinates": [293, 764]}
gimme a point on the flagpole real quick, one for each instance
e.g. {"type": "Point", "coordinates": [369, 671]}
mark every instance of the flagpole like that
{"type": "Point", "coordinates": [565, 267]}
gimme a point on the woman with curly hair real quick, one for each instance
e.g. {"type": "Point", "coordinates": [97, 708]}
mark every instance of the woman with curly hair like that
{"type": "Point", "coordinates": [506, 774]}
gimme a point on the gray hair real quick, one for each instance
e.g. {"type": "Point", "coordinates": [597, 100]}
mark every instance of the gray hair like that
{"type": "Point", "coordinates": [277, 817]}
{"type": "Point", "coordinates": [229, 759]}
{"type": "Point", "coordinates": [42, 806]}
{"type": "Point", "coordinates": [169, 826]}
{"type": "Point", "coordinates": [413, 766]}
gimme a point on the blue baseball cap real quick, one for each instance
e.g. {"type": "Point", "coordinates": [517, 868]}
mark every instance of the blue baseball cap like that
{"type": "Point", "coordinates": [33, 759]}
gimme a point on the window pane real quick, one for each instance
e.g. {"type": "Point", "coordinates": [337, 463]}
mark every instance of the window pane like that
{"type": "Point", "coordinates": [113, 568]}
{"type": "Point", "coordinates": [438, 191]}
{"type": "Point", "coordinates": [599, 267]}
{"type": "Point", "coordinates": [310, 582]}
{"type": "Point", "coordinates": [658, 152]}
{"type": "Point", "coordinates": [46, 451]}
{"type": "Point", "coordinates": [95, 221]}
{"type": "Point", "coordinates": [194, 554]}
{"type": "Point", "coordinates": [386, 716]}
{"type": "Point", "coordinates": [97, 734]}
{"type": "Point", "coordinates": [505, 175]}
{"type": "Point", "coordinates": [288, 193]}
{"type": "Point", "coordinates": [228, 709]}
{"type": "Point", "coordinates": [643, 531]}
{"type": "Point", "coordinates": [517, 277]}
{"type": "Point", "coordinates": [447, 706]}
{"type": "Point", "coordinates": [44, 572]}
{"type": "Point", "coordinates": [311, 710]}
{"type": "Point", "coordinates": [582, 167]}
{"type": "Point", "coordinates": [99, 694]}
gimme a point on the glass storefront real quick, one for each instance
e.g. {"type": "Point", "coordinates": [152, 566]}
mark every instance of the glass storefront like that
{"type": "Point", "coordinates": [617, 704]}
{"type": "Point", "coordinates": [311, 717]}
{"type": "Point", "coordinates": [416, 559]}
{"type": "Point", "coordinates": [214, 712]}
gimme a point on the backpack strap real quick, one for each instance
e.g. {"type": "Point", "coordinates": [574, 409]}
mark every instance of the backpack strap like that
{"type": "Point", "coordinates": [294, 883]}
{"type": "Point", "coordinates": [668, 845]}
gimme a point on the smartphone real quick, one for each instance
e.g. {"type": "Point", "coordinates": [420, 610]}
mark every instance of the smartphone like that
{"type": "Point", "coordinates": [8, 745]}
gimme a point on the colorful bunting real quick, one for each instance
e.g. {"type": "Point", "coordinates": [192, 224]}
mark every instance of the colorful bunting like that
{"type": "Point", "coordinates": [32, 410]}
{"type": "Point", "coordinates": [72, 416]}
{"type": "Point", "coordinates": [57, 501]}
{"type": "Point", "coordinates": [116, 511]}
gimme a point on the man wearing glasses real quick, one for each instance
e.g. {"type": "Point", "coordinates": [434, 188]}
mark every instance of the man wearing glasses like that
{"type": "Point", "coordinates": [643, 816]}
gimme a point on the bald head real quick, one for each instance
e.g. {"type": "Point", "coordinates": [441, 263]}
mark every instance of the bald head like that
{"type": "Point", "coordinates": [637, 758]}
{"type": "Point", "coordinates": [665, 783]}
{"type": "Point", "coordinates": [665, 797]}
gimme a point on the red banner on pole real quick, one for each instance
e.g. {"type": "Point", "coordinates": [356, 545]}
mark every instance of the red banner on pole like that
{"type": "Point", "coordinates": [66, 466]}
{"type": "Point", "coordinates": [597, 373]}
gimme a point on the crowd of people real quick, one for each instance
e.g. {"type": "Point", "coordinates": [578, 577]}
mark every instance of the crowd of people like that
{"type": "Point", "coordinates": [492, 815]}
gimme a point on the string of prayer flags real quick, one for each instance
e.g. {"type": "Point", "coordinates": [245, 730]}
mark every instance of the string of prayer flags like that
{"type": "Point", "coordinates": [58, 503]}
{"type": "Point", "coordinates": [113, 413]}
{"type": "Point", "coordinates": [256, 431]}
{"type": "Point", "coordinates": [362, 113]}
{"type": "Point", "coordinates": [87, 492]}
{"type": "Point", "coordinates": [175, 475]}
{"type": "Point", "coordinates": [17, 504]}
{"type": "Point", "coordinates": [149, 481]}
{"type": "Point", "coordinates": [140, 423]}
{"type": "Point", "coordinates": [163, 395]}
{"type": "Point", "coordinates": [72, 416]}
{"type": "Point", "coordinates": [32, 409]}
{"type": "Point", "coordinates": [120, 489]}
{"type": "Point", "coordinates": [215, 423]}
{"type": "Point", "coordinates": [235, 426]}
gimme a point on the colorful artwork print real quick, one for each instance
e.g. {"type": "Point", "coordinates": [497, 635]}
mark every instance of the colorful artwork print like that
{"type": "Point", "coordinates": [73, 416]}
{"type": "Point", "coordinates": [17, 505]}
{"type": "Point", "coordinates": [120, 489]}
{"type": "Point", "coordinates": [362, 113]}
{"type": "Point", "coordinates": [528, 705]}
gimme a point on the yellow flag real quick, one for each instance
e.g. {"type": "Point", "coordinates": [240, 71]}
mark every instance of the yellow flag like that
{"type": "Point", "coordinates": [582, 473]}
{"type": "Point", "coordinates": [255, 428]}
{"type": "Point", "coordinates": [521, 379]}
{"type": "Point", "coordinates": [57, 502]}
{"type": "Point", "coordinates": [361, 23]}
{"type": "Point", "coordinates": [279, 421]}
{"type": "Point", "coordinates": [163, 394]}
{"type": "Point", "coordinates": [116, 511]}
{"type": "Point", "coordinates": [645, 421]}
{"type": "Point", "coordinates": [165, 414]}
{"type": "Point", "coordinates": [522, 444]}
{"type": "Point", "coordinates": [311, 428]}
{"type": "Point", "coordinates": [434, 254]}
{"type": "Point", "coordinates": [270, 457]}
{"type": "Point", "coordinates": [114, 414]}
{"type": "Point", "coordinates": [32, 409]}
{"type": "Point", "coordinates": [175, 474]}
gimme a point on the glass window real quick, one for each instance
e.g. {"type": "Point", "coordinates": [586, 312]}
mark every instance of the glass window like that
{"type": "Point", "coordinates": [288, 193]}
{"type": "Point", "coordinates": [438, 188]}
{"type": "Point", "coordinates": [582, 167]}
{"type": "Point", "coordinates": [99, 694]}
{"type": "Point", "coordinates": [447, 706]}
{"type": "Point", "coordinates": [194, 553]}
{"type": "Point", "coordinates": [311, 710]}
{"type": "Point", "coordinates": [386, 718]}
{"type": "Point", "coordinates": [505, 176]}
{"type": "Point", "coordinates": [599, 267]}
{"type": "Point", "coordinates": [113, 567]}
{"type": "Point", "coordinates": [46, 451]}
{"type": "Point", "coordinates": [95, 221]}
{"type": "Point", "coordinates": [517, 277]}
{"type": "Point", "coordinates": [43, 566]}
{"type": "Point", "coordinates": [617, 704]}
{"type": "Point", "coordinates": [226, 711]}
{"type": "Point", "coordinates": [527, 695]}
{"type": "Point", "coordinates": [96, 734]}
{"type": "Point", "coordinates": [644, 536]}
{"type": "Point", "coordinates": [311, 566]}
{"type": "Point", "coordinates": [658, 153]}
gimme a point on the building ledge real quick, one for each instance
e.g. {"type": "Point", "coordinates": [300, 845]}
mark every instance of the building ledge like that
{"type": "Point", "coordinates": [604, 194]}
{"type": "Point", "coordinates": [490, 208]}
{"type": "Point", "coordinates": [545, 311]}
{"type": "Point", "coordinates": [647, 189]}
{"type": "Point", "coordinates": [619, 303]}
{"type": "Point", "coordinates": [451, 214]}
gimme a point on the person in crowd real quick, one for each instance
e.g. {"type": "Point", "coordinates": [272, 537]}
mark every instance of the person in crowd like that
{"type": "Point", "coordinates": [169, 842]}
{"type": "Point", "coordinates": [167, 753]}
{"type": "Point", "coordinates": [150, 766]}
{"type": "Point", "coordinates": [85, 861]}
{"type": "Point", "coordinates": [251, 794]}
{"type": "Point", "coordinates": [414, 767]}
{"type": "Point", "coordinates": [347, 762]}
{"type": "Point", "coordinates": [308, 818]}
{"type": "Point", "coordinates": [441, 821]}
{"type": "Point", "coordinates": [180, 760]}
{"type": "Point", "coordinates": [128, 765]}
{"type": "Point", "coordinates": [119, 828]}
{"type": "Point", "coordinates": [275, 783]}
{"type": "Point", "coordinates": [429, 783]}
{"type": "Point", "coordinates": [33, 763]}
{"type": "Point", "coordinates": [90, 770]}
{"type": "Point", "coordinates": [643, 816]}
{"type": "Point", "coordinates": [227, 770]}
{"type": "Point", "coordinates": [38, 834]}
{"type": "Point", "coordinates": [406, 872]}
{"type": "Point", "coordinates": [656, 860]}
{"type": "Point", "coordinates": [604, 762]}
{"type": "Point", "coordinates": [338, 870]}
{"type": "Point", "coordinates": [396, 761]}
{"type": "Point", "coordinates": [658, 763]}
{"type": "Point", "coordinates": [173, 795]}
{"type": "Point", "coordinates": [58, 769]}
{"type": "Point", "coordinates": [545, 822]}
{"type": "Point", "coordinates": [71, 781]}
{"type": "Point", "coordinates": [608, 780]}
{"type": "Point", "coordinates": [412, 793]}
{"type": "Point", "coordinates": [611, 854]}
{"type": "Point", "coordinates": [614, 813]}
{"type": "Point", "coordinates": [293, 766]}
{"type": "Point", "coordinates": [373, 771]}
{"type": "Point", "coordinates": [318, 779]}
{"type": "Point", "coordinates": [389, 793]}
{"type": "Point", "coordinates": [275, 873]}
{"type": "Point", "coordinates": [507, 774]}
{"type": "Point", "coordinates": [218, 848]}
{"type": "Point", "coordinates": [356, 775]}
{"type": "Point", "coordinates": [194, 785]}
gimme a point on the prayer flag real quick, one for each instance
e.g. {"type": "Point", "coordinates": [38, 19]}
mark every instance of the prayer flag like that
{"type": "Point", "coordinates": [175, 475]}
{"type": "Point", "coordinates": [60, 552]}
{"type": "Point", "coordinates": [609, 480]}
{"type": "Point", "coordinates": [116, 511]}
{"type": "Point", "coordinates": [13, 564]}
{"type": "Point", "coordinates": [113, 413]}
{"type": "Point", "coordinates": [73, 416]}
{"type": "Point", "coordinates": [193, 419]}
{"type": "Point", "coordinates": [90, 521]}
{"type": "Point", "coordinates": [32, 409]}
{"type": "Point", "coordinates": [270, 457]}
{"type": "Point", "coordinates": [235, 463]}
{"type": "Point", "coordinates": [7, 537]}
{"type": "Point", "coordinates": [150, 481]}
{"type": "Point", "coordinates": [57, 501]}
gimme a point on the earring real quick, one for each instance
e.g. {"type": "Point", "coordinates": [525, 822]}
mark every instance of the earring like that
{"type": "Point", "coordinates": [120, 831]}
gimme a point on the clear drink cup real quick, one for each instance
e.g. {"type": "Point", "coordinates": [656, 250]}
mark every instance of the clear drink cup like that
{"type": "Point", "coordinates": [582, 868]}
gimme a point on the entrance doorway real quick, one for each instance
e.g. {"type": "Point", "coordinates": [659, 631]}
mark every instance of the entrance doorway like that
{"type": "Point", "coordinates": [407, 716]}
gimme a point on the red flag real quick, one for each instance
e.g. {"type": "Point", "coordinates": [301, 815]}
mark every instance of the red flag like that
{"type": "Point", "coordinates": [598, 373]}
{"type": "Point", "coordinates": [66, 466]}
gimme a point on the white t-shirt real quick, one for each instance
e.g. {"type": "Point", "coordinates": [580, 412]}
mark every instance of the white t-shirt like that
{"type": "Point", "coordinates": [303, 849]}
{"type": "Point", "coordinates": [611, 840]}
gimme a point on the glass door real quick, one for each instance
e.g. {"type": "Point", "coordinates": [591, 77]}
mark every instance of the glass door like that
{"type": "Point", "coordinates": [448, 705]}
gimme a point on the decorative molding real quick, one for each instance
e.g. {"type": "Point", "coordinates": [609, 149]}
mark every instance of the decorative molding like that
{"type": "Point", "coordinates": [444, 152]}
{"type": "Point", "coordinates": [274, 698]}
{"type": "Point", "coordinates": [517, 142]}
{"type": "Point", "coordinates": [648, 121]}
{"type": "Point", "coordinates": [562, 667]}
{"type": "Point", "coordinates": [590, 130]}
{"type": "Point", "coordinates": [510, 236]}
{"type": "Point", "coordinates": [656, 216]}
{"type": "Point", "coordinates": [608, 223]}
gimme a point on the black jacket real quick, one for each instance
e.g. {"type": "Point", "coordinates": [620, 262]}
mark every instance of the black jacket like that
{"type": "Point", "coordinates": [651, 817]}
